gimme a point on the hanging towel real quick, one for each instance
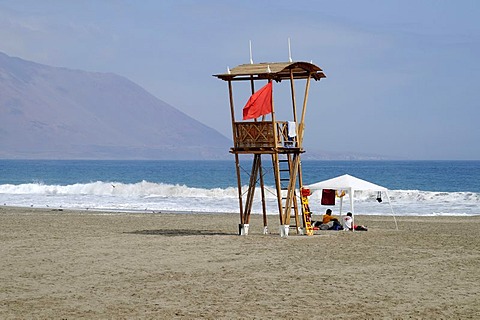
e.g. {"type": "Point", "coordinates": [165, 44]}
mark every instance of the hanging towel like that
{"type": "Point", "coordinates": [292, 132]}
{"type": "Point", "coordinates": [328, 197]}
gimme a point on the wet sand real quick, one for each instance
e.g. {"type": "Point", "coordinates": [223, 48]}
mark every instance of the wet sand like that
{"type": "Point", "coordinates": [92, 265]}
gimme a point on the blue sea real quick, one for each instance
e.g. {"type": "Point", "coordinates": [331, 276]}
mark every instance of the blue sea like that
{"type": "Point", "coordinates": [423, 188]}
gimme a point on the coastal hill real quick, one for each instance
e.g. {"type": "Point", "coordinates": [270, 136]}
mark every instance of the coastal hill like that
{"type": "Point", "coordinates": [57, 113]}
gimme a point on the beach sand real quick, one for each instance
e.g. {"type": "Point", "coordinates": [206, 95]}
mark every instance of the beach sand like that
{"type": "Point", "coordinates": [92, 265]}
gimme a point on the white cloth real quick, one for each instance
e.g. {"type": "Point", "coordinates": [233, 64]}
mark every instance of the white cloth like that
{"type": "Point", "coordinates": [292, 132]}
{"type": "Point", "coordinates": [347, 223]}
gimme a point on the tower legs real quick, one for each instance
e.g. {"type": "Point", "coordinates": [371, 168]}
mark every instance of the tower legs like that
{"type": "Point", "coordinates": [285, 182]}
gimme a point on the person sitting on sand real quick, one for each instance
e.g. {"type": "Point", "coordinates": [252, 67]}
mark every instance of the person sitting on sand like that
{"type": "Point", "coordinates": [328, 222]}
{"type": "Point", "coordinates": [348, 223]}
{"type": "Point", "coordinates": [331, 221]}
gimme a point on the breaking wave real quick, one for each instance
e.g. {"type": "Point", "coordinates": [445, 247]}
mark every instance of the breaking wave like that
{"type": "Point", "coordinates": [158, 197]}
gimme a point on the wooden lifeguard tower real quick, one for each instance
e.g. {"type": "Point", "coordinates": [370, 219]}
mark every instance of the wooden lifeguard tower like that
{"type": "Point", "coordinates": [265, 135]}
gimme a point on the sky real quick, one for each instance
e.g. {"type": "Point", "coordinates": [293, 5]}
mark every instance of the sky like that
{"type": "Point", "coordinates": [403, 77]}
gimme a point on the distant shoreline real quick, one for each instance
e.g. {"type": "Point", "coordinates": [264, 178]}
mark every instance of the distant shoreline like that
{"type": "Point", "coordinates": [194, 213]}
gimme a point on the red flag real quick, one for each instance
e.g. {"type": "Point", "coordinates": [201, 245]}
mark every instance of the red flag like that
{"type": "Point", "coordinates": [259, 104]}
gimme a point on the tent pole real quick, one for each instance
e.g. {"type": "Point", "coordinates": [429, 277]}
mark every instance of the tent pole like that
{"type": "Point", "coordinates": [351, 207]}
{"type": "Point", "coordinates": [391, 208]}
{"type": "Point", "coordinates": [341, 205]}
{"type": "Point", "coordinates": [341, 216]}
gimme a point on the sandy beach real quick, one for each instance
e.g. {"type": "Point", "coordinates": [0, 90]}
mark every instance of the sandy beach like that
{"type": "Point", "coordinates": [92, 265]}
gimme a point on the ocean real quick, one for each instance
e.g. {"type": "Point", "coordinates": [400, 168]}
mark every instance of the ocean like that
{"type": "Point", "coordinates": [421, 188]}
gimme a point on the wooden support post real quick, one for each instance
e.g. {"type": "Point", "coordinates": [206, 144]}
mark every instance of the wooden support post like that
{"type": "Point", "coordinates": [296, 156]}
{"type": "Point", "coordinates": [239, 187]}
{"type": "Point", "coordinates": [252, 85]}
{"type": "Point", "coordinates": [304, 110]}
{"type": "Point", "coordinates": [237, 160]}
{"type": "Point", "coordinates": [232, 108]}
{"type": "Point", "coordinates": [251, 189]}
{"type": "Point", "coordinates": [294, 101]}
{"type": "Point", "coordinates": [275, 133]}
{"type": "Point", "coordinates": [264, 205]}
{"type": "Point", "coordinates": [300, 186]}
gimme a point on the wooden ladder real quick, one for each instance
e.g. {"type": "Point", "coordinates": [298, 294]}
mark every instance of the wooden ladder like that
{"type": "Point", "coordinates": [289, 208]}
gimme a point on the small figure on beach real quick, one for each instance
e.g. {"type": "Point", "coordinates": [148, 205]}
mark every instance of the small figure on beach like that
{"type": "Point", "coordinates": [348, 223]}
{"type": "Point", "coordinates": [331, 221]}
{"type": "Point", "coordinates": [328, 222]}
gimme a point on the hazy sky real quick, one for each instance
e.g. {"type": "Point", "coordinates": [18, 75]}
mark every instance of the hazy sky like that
{"type": "Point", "coordinates": [403, 77]}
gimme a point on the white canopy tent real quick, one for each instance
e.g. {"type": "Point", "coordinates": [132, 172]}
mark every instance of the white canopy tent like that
{"type": "Point", "coordinates": [350, 184]}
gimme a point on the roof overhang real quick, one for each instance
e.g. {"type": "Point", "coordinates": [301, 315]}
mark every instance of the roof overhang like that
{"type": "Point", "coordinates": [273, 70]}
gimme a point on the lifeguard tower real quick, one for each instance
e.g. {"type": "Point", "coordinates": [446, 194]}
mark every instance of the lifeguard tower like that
{"type": "Point", "coordinates": [260, 133]}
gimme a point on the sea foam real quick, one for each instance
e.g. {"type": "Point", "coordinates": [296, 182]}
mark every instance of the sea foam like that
{"type": "Point", "coordinates": [161, 197]}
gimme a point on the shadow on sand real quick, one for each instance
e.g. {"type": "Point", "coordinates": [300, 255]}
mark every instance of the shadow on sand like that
{"type": "Point", "coordinates": [180, 232]}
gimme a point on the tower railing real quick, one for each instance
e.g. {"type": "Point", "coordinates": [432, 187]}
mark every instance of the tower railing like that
{"type": "Point", "coordinates": [261, 135]}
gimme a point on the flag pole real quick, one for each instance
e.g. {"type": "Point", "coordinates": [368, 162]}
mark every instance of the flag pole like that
{"type": "Point", "coordinates": [289, 51]}
{"type": "Point", "coordinates": [251, 57]}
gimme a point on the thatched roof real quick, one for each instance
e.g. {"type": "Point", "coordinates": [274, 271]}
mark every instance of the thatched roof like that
{"type": "Point", "coordinates": [273, 70]}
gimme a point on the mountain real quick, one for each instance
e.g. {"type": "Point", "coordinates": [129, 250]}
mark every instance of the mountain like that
{"type": "Point", "coordinates": [57, 113]}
